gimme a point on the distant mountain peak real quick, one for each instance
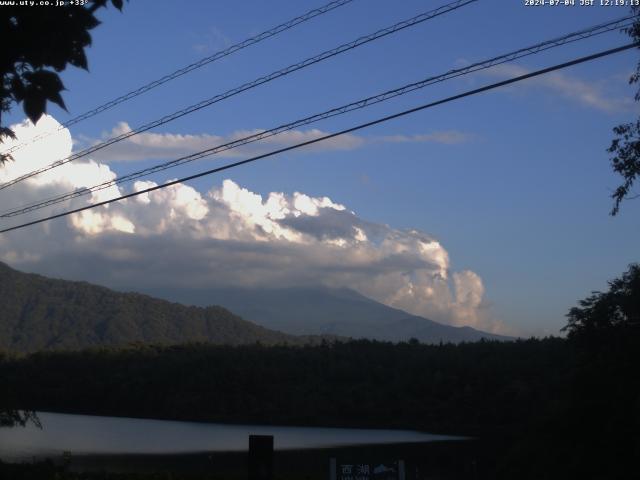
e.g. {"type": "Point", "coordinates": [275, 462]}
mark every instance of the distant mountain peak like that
{"type": "Point", "coordinates": [40, 312]}
{"type": "Point", "coordinates": [307, 310]}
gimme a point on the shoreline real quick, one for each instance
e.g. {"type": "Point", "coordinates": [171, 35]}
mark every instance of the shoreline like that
{"type": "Point", "coordinates": [452, 459]}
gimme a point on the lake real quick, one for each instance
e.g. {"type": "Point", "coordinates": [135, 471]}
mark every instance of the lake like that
{"type": "Point", "coordinates": [87, 435]}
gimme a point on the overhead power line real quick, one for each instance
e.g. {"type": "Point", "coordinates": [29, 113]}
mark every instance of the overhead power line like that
{"type": "Point", "coordinates": [189, 68]}
{"type": "Point", "coordinates": [363, 103]}
{"type": "Point", "coordinates": [333, 135]}
{"type": "Point", "coordinates": [247, 86]}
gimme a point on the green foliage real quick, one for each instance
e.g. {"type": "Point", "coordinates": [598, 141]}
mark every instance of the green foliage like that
{"type": "Point", "coordinates": [37, 43]}
{"type": "Point", "coordinates": [626, 160]}
{"type": "Point", "coordinates": [625, 147]}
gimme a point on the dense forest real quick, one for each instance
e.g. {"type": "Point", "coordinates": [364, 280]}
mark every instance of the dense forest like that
{"type": "Point", "coordinates": [573, 410]}
{"type": "Point", "coordinates": [540, 408]}
{"type": "Point", "coordinates": [449, 389]}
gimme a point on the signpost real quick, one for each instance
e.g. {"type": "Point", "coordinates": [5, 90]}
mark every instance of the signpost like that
{"type": "Point", "coordinates": [340, 470]}
{"type": "Point", "coordinates": [260, 457]}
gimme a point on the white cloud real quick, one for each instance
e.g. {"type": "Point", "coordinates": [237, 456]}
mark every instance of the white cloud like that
{"type": "Point", "coordinates": [231, 236]}
{"type": "Point", "coordinates": [146, 145]}
{"type": "Point", "coordinates": [38, 154]}
{"type": "Point", "coordinates": [589, 94]}
{"type": "Point", "coordinates": [164, 146]}
{"type": "Point", "coordinates": [447, 137]}
{"type": "Point", "coordinates": [214, 39]}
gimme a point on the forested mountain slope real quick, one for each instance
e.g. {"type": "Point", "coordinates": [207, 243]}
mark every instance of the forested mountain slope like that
{"type": "Point", "coordinates": [41, 313]}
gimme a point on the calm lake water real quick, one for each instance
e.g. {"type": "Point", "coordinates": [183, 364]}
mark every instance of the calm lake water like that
{"type": "Point", "coordinates": [83, 434]}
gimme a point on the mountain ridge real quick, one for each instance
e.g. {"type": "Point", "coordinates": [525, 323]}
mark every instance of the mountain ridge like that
{"type": "Point", "coordinates": [325, 311]}
{"type": "Point", "coordinates": [40, 313]}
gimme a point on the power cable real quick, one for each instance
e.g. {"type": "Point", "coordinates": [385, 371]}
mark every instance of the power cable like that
{"type": "Point", "coordinates": [363, 103]}
{"type": "Point", "coordinates": [189, 68]}
{"type": "Point", "coordinates": [333, 135]}
{"type": "Point", "coordinates": [247, 86]}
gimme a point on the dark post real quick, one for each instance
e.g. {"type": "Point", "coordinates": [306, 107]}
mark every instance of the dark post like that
{"type": "Point", "coordinates": [260, 457]}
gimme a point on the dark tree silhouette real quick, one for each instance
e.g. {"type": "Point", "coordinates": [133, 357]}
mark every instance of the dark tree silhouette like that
{"type": "Point", "coordinates": [39, 41]}
{"type": "Point", "coordinates": [10, 418]}
{"type": "Point", "coordinates": [618, 308]}
{"type": "Point", "coordinates": [625, 147]}
{"type": "Point", "coordinates": [596, 433]}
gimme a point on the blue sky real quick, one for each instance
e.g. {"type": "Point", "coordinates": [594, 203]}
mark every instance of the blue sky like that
{"type": "Point", "coordinates": [513, 183]}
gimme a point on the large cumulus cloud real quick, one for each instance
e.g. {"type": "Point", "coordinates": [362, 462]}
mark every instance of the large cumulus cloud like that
{"type": "Point", "coordinates": [228, 236]}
